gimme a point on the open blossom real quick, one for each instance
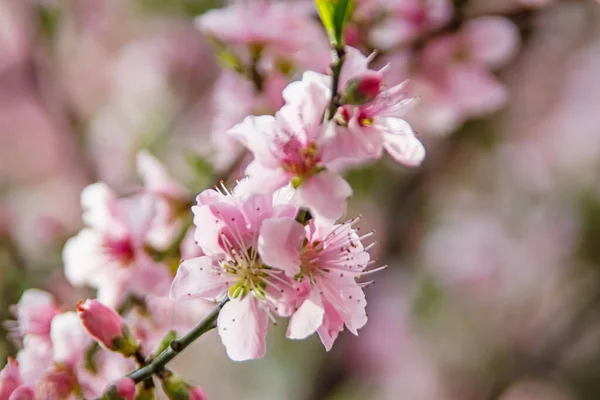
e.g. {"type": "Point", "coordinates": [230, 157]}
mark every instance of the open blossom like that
{"type": "Point", "coordinates": [326, 263]}
{"type": "Point", "coordinates": [370, 118]}
{"type": "Point", "coordinates": [454, 81]}
{"type": "Point", "coordinates": [295, 147]}
{"type": "Point", "coordinates": [109, 254]}
{"type": "Point", "coordinates": [230, 230]}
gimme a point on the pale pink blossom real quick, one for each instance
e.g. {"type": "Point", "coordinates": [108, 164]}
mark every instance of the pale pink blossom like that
{"type": "Point", "coordinates": [34, 311]}
{"type": "Point", "coordinates": [230, 230]}
{"type": "Point", "coordinates": [295, 148]}
{"type": "Point", "coordinates": [454, 81]}
{"type": "Point", "coordinates": [171, 201]}
{"type": "Point", "coordinates": [109, 254]}
{"type": "Point", "coordinates": [331, 260]}
{"type": "Point", "coordinates": [10, 379]}
{"type": "Point", "coordinates": [404, 20]}
{"type": "Point", "coordinates": [368, 122]}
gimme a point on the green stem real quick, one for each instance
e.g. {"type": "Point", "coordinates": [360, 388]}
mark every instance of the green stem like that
{"type": "Point", "coordinates": [176, 346]}
{"type": "Point", "coordinates": [339, 55]}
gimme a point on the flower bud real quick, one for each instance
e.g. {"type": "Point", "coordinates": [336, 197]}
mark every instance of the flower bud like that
{"type": "Point", "coordinates": [107, 327]}
{"type": "Point", "coordinates": [363, 89]}
{"type": "Point", "coordinates": [123, 389]}
{"type": "Point", "coordinates": [10, 379]}
{"type": "Point", "coordinates": [177, 389]}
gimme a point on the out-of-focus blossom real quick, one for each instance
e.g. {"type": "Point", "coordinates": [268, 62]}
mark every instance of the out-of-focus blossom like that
{"type": "Point", "coordinates": [401, 21]}
{"type": "Point", "coordinates": [453, 81]}
{"type": "Point", "coordinates": [123, 389]}
{"type": "Point", "coordinates": [35, 311]}
{"type": "Point", "coordinates": [229, 230]}
{"type": "Point", "coordinates": [109, 253]}
{"type": "Point", "coordinates": [10, 379]}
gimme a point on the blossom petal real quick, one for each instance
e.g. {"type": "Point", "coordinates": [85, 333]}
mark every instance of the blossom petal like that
{"type": "Point", "coordinates": [10, 379]}
{"type": "Point", "coordinates": [331, 327]}
{"type": "Point", "coordinates": [242, 325]}
{"type": "Point", "coordinates": [69, 338]}
{"type": "Point", "coordinates": [83, 258]}
{"type": "Point", "coordinates": [200, 277]}
{"type": "Point", "coordinates": [324, 194]}
{"type": "Point", "coordinates": [255, 133]}
{"type": "Point", "coordinates": [401, 143]}
{"type": "Point", "coordinates": [308, 318]}
{"type": "Point", "coordinates": [279, 244]}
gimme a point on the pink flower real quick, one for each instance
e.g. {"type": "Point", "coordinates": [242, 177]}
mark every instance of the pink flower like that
{"type": "Point", "coordinates": [106, 327]}
{"type": "Point", "coordinates": [24, 392]}
{"type": "Point", "coordinates": [109, 254]}
{"type": "Point", "coordinates": [10, 379]}
{"type": "Point", "coordinates": [406, 20]}
{"type": "Point", "coordinates": [369, 121]}
{"type": "Point", "coordinates": [171, 201]}
{"type": "Point", "coordinates": [284, 27]}
{"type": "Point", "coordinates": [34, 311]}
{"type": "Point", "coordinates": [295, 147]}
{"type": "Point", "coordinates": [231, 229]}
{"type": "Point", "coordinates": [454, 82]}
{"type": "Point", "coordinates": [123, 389]}
{"type": "Point", "coordinates": [332, 259]}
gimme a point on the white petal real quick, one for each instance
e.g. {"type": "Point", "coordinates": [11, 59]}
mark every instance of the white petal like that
{"type": "Point", "coordinates": [201, 277]}
{"type": "Point", "coordinates": [307, 319]}
{"type": "Point", "coordinates": [401, 143]}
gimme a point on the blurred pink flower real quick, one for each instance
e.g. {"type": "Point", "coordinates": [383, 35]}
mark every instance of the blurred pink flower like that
{"type": "Point", "coordinates": [34, 311]}
{"type": "Point", "coordinates": [10, 379]}
{"type": "Point", "coordinates": [109, 254]}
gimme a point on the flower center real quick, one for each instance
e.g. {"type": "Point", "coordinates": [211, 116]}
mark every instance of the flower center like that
{"type": "Point", "coordinates": [251, 274]}
{"type": "Point", "coordinates": [301, 161]}
{"type": "Point", "coordinates": [120, 249]}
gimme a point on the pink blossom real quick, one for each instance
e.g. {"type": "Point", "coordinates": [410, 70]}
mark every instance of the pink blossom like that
{"type": "Point", "coordinates": [171, 200]}
{"type": "Point", "coordinates": [10, 379]}
{"type": "Point", "coordinates": [285, 27]}
{"type": "Point", "coordinates": [24, 392]}
{"type": "Point", "coordinates": [404, 20]}
{"type": "Point", "coordinates": [454, 82]}
{"type": "Point", "coordinates": [109, 254]}
{"type": "Point", "coordinates": [295, 147]}
{"type": "Point", "coordinates": [332, 259]}
{"type": "Point", "coordinates": [123, 389]}
{"type": "Point", "coordinates": [230, 230]}
{"type": "Point", "coordinates": [366, 125]}
{"type": "Point", "coordinates": [35, 311]}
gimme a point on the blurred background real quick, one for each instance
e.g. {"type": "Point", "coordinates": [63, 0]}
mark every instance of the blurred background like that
{"type": "Point", "coordinates": [493, 290]}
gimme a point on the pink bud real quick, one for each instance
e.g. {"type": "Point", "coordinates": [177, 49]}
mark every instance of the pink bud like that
{"type": "Point", "coordinates": [197, 394]}
{"type": "Point", "coordinates": [364, 88]}
{"type": "Point", "coordinates": [22, 393]}
{"type": "Point", "coordinates": [106, 326]}
{"type": "Point", "coordinates": [10, 379]}
{"type": "Point", "coordinates": [122, 389]}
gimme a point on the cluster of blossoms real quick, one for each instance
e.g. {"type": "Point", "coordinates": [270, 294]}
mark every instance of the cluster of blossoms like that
{"type": "Point", "coordinates": [274, 246]}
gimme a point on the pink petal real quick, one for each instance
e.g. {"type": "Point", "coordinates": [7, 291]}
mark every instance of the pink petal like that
{"type": "Point", "coordinates": [331, 327]}
{"type": "Point", "coordinates": [400, 142]}
{"type": "Point", "coordinates": [279, 244]}
{"type": "Point", "coordinates": [492, 40]}
{"type": "Point", "coordinates": [22, 393]}
{"type": "Point", "coordinates": [98, 202]}
{"type": "Point", "coordinates": [201, 277]}
{"type": "Point", "coordinates": [10, 379]}
{"type": "Point", "coordinates": [355, 64]}
{"type": "Point", "coordinates": [242, 325]}
{"type": "Point", "coordinates": [69, 338]}
{"type": "Point", "coordinates": [156, 178]}
{"type": "Point", "coordinates": [308, 318]}
{"type": "Point", "coordinates": [324, 194]}
{"type": "Point", "coordinates": [347, 298]}
{"type": "Point", "coordinates": [264, 180]}
{"type": "Point", "coordinates": [256, 133]}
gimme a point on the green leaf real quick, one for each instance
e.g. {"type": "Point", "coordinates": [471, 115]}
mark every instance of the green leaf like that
{"type": "Point", "coordinates": [334, 15]}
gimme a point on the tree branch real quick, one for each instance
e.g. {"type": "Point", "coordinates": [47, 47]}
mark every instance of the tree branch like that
{"type": "Point", "coordinates": [177, 346]}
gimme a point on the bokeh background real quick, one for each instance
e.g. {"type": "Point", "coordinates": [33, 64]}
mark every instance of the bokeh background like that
{"type": "Point", "coordinates": [493, 290]}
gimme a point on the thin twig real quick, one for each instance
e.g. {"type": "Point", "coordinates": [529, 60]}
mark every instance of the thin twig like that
{"type": "Point", "coordinates": [339, 55]}
{"type": "Point", "coordinates": [177, 346]}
